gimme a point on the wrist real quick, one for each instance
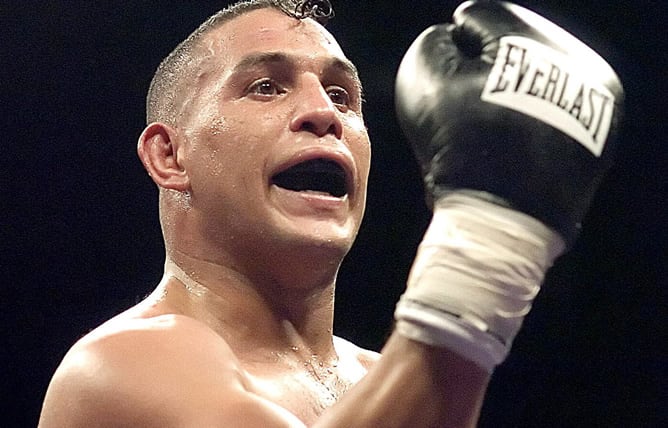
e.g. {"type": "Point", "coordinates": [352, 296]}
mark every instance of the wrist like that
{"type": "Point", "coordinates": [475, 276]}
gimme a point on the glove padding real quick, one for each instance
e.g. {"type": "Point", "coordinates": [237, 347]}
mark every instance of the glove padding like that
{"type": "Point", "coordinates": [511, 107]}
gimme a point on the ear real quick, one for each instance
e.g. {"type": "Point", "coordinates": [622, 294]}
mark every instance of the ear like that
{"type": "Point", "coordinates": [158, 150]}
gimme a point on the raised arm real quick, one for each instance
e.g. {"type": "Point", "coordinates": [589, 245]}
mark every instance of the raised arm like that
{"type": "Point", "coordinates": [513, 121]}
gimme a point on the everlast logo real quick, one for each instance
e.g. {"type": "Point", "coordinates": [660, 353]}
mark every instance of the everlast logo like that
{"type": "Point", "coordinates": [543, 83]}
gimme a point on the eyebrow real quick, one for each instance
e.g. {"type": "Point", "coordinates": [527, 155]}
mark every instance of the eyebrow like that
{"type": "Point", "coordinates": [268, 58]}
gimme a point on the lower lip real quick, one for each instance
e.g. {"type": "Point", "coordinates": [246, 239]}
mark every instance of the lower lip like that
{"type": "Point", "coordinates": [309, 203]}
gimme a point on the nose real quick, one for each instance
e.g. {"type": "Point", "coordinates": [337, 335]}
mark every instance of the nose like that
{"type": "Point", "coordinates": [315, 111]}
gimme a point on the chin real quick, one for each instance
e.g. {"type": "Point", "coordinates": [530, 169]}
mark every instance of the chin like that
{"type": "Point", "coordinates": [319, 239]}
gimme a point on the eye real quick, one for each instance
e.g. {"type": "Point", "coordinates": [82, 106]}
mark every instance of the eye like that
{"type": "Point", "coordinates": [339, 96]}
{"type": "Point", "coordinates": [265, 88]}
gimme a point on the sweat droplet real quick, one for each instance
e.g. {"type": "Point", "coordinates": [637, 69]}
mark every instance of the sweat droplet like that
{"type": "Point", "coordinates": [218, 126]}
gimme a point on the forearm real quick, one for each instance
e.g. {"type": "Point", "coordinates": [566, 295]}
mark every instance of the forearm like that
{"type": "Point", "coordinates": [413, 385]}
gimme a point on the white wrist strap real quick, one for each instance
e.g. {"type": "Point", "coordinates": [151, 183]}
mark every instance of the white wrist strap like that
{"type": "Point", "coordinates": [474, 278]}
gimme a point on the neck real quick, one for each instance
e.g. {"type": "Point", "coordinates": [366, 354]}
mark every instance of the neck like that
{"type": "Point", "coordinates": [251, 313]}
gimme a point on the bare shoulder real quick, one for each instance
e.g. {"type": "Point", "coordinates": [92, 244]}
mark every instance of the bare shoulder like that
{"type": "Point", "coordinates": [349, 351]}
{"type": "Point", "coordinates": [168, 370]}
{"type": "Point", "coordinates": [131, 367]}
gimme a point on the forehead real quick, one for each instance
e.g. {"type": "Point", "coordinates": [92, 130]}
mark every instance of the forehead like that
{"type": "Point", "coordinates": [268, 30]}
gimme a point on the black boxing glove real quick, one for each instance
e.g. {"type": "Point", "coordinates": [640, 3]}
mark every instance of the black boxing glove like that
{"type": "Point", "coordinates": [507, 103]}
{"type": "Point", "coordinates": [512, 120]}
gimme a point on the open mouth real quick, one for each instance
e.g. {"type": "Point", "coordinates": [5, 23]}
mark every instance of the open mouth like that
{"type": "Point", "coordinates": [317, 175]}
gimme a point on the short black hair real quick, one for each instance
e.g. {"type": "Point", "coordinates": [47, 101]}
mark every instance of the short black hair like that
{"type": "Point", "coordinates": [162, 99]}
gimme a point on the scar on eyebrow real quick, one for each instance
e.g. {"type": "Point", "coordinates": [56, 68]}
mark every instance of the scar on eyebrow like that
{"type": "Point", "coordinates": [267, 58]}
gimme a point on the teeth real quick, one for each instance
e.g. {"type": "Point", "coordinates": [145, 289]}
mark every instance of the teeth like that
{"type": "Point", "coordinates": [319, 176]}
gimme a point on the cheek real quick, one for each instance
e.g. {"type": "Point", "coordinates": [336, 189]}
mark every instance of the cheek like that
{"type": "Point", "coordinates": [356, 124]}
{"type": "Point", "coordinates": [219, 126]}
{"type": "Point", "coordinates": [228, 141]}
{"type": "Point", "coordinates": [360, 146]}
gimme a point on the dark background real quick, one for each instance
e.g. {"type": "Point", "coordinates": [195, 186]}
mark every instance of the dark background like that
{"type": "Point", "coordinates": [80, 239]}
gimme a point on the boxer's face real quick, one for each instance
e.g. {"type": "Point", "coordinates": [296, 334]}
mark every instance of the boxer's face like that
{"type": "Point", "coordinates": [276, 142]}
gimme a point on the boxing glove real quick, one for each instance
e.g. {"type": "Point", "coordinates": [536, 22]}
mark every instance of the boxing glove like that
{"type": "Point", "coordinates": [513, 121]}
{"type": "Point", "coordinates": [508, 105]}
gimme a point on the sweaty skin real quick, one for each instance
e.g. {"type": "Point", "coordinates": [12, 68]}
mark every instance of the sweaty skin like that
{"type": "Point", "coordinates": [215, 332]}
{"type": "Point", "coordinates": [239, 330]}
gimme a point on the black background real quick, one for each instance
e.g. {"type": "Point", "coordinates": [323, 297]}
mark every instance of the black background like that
{"type": "Point", "coordinates": [80, 239]}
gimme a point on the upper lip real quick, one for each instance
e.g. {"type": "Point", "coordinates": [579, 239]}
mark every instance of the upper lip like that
{"type": "Point", "coordinates": [335, 154]}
